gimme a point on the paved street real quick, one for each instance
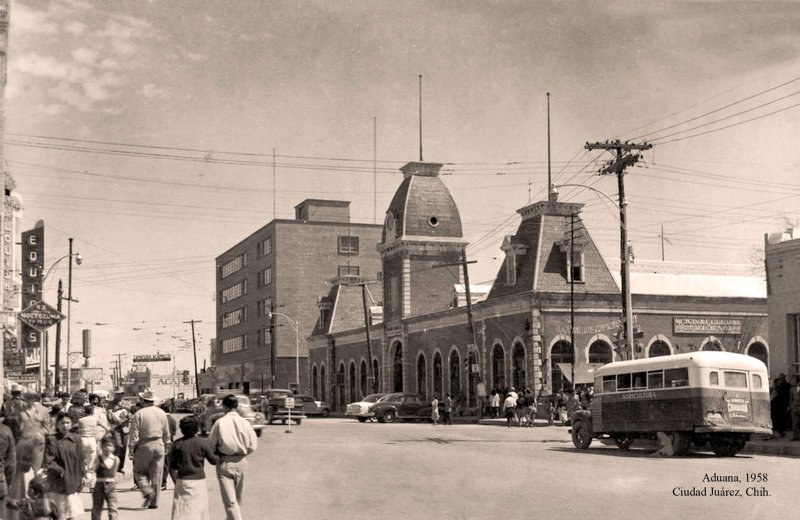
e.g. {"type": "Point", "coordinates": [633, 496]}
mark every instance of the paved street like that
{"type": "Point", "coordinates": [331, 469]}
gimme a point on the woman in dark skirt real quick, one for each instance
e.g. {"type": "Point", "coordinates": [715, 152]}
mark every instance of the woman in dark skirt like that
{"type": "Point", "coordinates": [186, 463]}
{"type": "Point", "coordinates": [66, 467]}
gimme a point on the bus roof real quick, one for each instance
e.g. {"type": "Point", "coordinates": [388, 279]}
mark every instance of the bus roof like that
{"type": "Point", "coordinates": [699, 359]}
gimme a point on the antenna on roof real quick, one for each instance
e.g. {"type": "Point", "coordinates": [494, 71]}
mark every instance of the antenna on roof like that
{"type": "Point", "coordinates": [549, 178]}
{"type": "Point", "coordinates": [420, 118]}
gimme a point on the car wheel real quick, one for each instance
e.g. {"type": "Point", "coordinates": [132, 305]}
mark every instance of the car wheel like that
{"type": "Point", "coordinates": [326, 412]}
{"type": "Point", "coordinates": [258, 432]}
{"type": "Point", "coordinates": [297, 421]}
{"type": "Point", "coordinates": [623, 441]}
{"type": "Point", "coordinates": [270, 415]}
{"type": "Point", "coordinates": [389, 416]}
{"type": "Point", "coordinates": [283, 421]}
{"type": "Point", "coordinates": [362, 419]}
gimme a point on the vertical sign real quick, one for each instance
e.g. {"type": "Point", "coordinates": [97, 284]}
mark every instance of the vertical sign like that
{"type": "Point", "coordinates": [32, 278]}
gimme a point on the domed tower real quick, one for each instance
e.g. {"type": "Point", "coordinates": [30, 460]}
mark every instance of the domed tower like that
{"type": "Point", "coordinates": [422, 245]}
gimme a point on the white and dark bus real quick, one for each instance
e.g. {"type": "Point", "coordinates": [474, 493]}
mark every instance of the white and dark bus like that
{"type": "Point", "coordinates": [717, 399]}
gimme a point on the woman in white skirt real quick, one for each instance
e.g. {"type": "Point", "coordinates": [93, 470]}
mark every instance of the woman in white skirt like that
{"type": "Point", "coordinates": [186, 463]}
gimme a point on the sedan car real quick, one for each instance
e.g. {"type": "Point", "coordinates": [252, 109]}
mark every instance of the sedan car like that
{"type": "Point", "coordinates": [212, 410]}
{"type": "Point", "coordinates": [309, 406]}
{"type": "Point", "coordinates": [409, 407]}
{"type": "Point", "coordinates": [360, 410]}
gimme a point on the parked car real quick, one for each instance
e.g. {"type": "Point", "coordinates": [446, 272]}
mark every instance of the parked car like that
{"type": "Point", "coordinates": [309, 406]}
{"type": "Point", "coordinates": [360, 410]}
{"type": "Point", "coordinates": [213, 410]}
{"type": "Point", "coordinates": [274, 406]}
{"type": "Point", "coordinates": [185, 405]}
{"type": "Point", "coordinates": [408, 407]}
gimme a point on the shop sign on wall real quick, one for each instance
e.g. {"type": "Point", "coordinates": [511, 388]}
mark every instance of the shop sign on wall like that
{"type": "Point", "coordinates": [707, 326]}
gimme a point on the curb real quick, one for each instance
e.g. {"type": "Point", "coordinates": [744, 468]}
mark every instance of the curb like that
{"type": "Point", "coordinates": [764, 448]}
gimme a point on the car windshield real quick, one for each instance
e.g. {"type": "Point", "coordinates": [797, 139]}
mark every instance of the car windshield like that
{"type": "Point", "coordinates": [374, 398]}
{"type": "Point", "coordinates": [393, 397]}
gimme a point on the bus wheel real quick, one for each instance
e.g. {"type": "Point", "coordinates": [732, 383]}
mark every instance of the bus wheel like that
{"type": "Point", "coordinates": [680, 443]}
{"type": "Point", "coordinates": [727, 446]}
{"type": "Point", "coordinates": [581, 436]}
{"type": "Point", "coordinates": [623, 441]}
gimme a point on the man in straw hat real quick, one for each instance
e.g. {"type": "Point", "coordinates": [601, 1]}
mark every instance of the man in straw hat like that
{"type": "Point", "coordinates": [149, 441]}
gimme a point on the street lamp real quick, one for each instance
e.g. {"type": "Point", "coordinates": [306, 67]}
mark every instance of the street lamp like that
{"type": "Point", "coordinates": [296, 343]}
{"type": "Point", "coordinates": [79, 261]}
{"type": "Point", "coordinates": [625, 267]}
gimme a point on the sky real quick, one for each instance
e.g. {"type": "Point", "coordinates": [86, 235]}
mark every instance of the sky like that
{"type": "Point", "coordinates": [159, 134]}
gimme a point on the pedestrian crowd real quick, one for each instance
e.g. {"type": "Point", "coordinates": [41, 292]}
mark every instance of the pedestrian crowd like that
{"type": "Point", "coordinates": [52, 449]}
{"type": "Point", "coordinates": [785, 407]}
{"type": "Point", "coordinates": [522, 409]}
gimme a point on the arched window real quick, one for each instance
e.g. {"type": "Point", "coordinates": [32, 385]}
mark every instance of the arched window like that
{"type": "Point", "coordinates": [455, 374]}
{"type": "Point", "coordinates": [353, 386]}
{"type": "Point", "coordinates": [561, 353]}
{"type": "Point", "coordinates": [759, 351]}
{"type": "Point", "coordinates": [472, 394]}
{"type": "Point", "coordinates": [498, 367]}
{"type": "Point", "coordinates": [323, 383]}
{"type": "Point", "coordinates": [397, 368]}
{"type": "Point", "coordinates": [339, 388]}
{"type": "Point", "coordinates": [658, 348]}
{"type": "Point", "coordinates": [438, 375]}
{"type": "Point", "coordinates": [518, 367]}
{"type": "Point", "coordinates": [600, 352]}
{"type": "Point", "coordinates": [314, 383]}
{"type": "Point", "coordinates": [713, 345]}
{"type": "Point", "coordinates": [422, 371]}
{"type": "Point", "coordinates": [377, 374]}
{"type": "Point", "coordinates": [363, 380]}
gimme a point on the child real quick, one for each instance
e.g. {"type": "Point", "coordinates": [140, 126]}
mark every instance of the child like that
{"type": "Point", "coordinates": [36, 506]}
{"type": "Point", "coordinates": [435, 410]}
{"type": "Point", "coordinates": [105, 487]}
{"type": "Point", "coordinates": [185, 462]}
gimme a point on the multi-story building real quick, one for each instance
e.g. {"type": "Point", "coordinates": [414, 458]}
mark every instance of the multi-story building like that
{"type": "Point", "coordinates": [782, 255]}
{"type": "Point", "coordinates": [268, 286]}
{"type": "Point", "coordinates": [524, 333]}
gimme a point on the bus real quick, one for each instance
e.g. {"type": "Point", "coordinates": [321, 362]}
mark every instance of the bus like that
{"type": "Point", "coordinates": [703, 398]}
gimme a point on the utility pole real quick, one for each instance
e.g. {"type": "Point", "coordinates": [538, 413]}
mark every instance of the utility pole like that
{"type": "Point", "coordinates": [622, 160]}
{"type": "Point", "coordinates": [472, 348]}
{"type": "Point", "coordinates": [272, 345]}
{"type": "Point", "coordinates": [57, 380]}
{"type": "Point", "coordinates": [194, 350]}
{"type": "Point", "coordinates": [572, 293]}
{"type": "Point", "coordinates": [369, 341]}
{"type": "Point", "coordinates": [118, 368]}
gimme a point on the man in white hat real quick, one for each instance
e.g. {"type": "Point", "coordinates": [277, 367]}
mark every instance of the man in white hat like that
{"type": "Point", "coordinates": [149, 441]}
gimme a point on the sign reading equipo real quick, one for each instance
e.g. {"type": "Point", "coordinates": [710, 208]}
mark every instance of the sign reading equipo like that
{"type": "Point", "coordinates": [32, 277]}
{"type": "Point", "coordinates": [150, 358]}
{"type": "Point", "coordinates": [707, 326]}
{"type": "Point", "coordinates": [40, 316]}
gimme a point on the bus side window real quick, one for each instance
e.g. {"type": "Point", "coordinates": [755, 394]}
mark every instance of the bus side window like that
{"type": "Point", "coordinates": [676, 377]}
{"type": "Point", "coordinates": [713, 378]}
{"type": "Point", "coordinates": [640, 379]}
{"type": "Point", "coordinates": [655, 379]}
{"type": "Point", "coordinates": [624, 382]}
{"type": "Point", "coordinates": [609, 384]}
{"type": "Point", "coordinates": [757, 381]}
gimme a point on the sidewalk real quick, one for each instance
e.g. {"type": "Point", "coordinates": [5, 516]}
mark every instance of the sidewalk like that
{"type": "Point", "coordinates": [779, 446]}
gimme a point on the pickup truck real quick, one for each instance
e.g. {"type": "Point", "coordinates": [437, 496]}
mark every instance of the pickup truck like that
{"type": "Point", "coordinates": [273, 404]}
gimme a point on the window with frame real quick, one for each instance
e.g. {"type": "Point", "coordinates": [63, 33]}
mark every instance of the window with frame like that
{"type": "Point", "coordinates": [575, 271]}
{"type": "Point", "coordinates": [674, 377]}
{"type": "Point", "coordinates": [264, 336]}
{"type": "Point", "coordinates": [263, 306]}
{"type": "Point", "coordinates": [623, 382]}
{"type": "Point", "coordinates": [233, 292]}
{"type": "Point", "coordinates": [234, 265]}
{"type": "Point", "coordinates": [511, 268]}
{"type": "Point", "coordinates": [232, 318]}
{"type": "Point", "coordinates": [265, 247]}
{"type": "Point", "coordinates": [609, 384]}
{"type": "Point", "coordinates": [757, 381]}
{"type": "Point", "coordinates": [265, 277]}
{"type": "Point", "coordinates": [349, 270]}
{"type": "Point", "coordinates": [713, 378]}
{"type": "Point", "coordinates": [348, 245]}
{"type": "Point", "coordinates": [234, 344]}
